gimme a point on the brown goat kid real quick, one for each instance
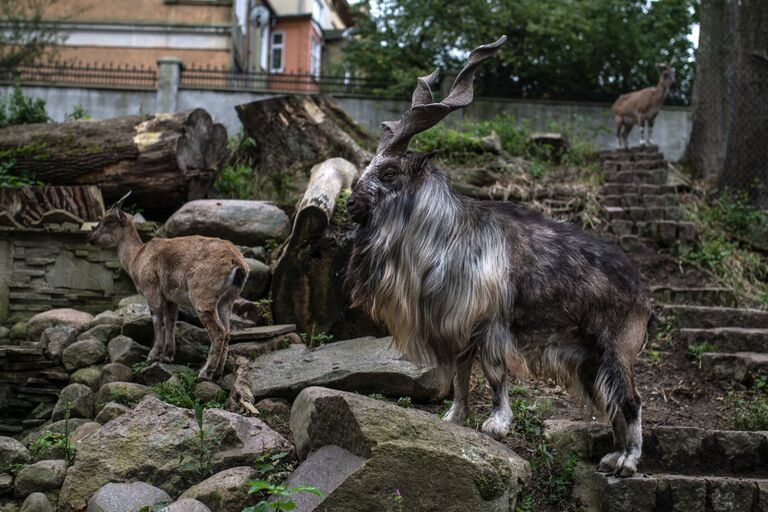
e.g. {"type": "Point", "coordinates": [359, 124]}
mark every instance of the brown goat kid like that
{"type": "Point", "coordinates": [205, 273]}
{"type": "Point", "coordinates": [641, 107]}
{"type": "Point", "coordinates": [456, 280]}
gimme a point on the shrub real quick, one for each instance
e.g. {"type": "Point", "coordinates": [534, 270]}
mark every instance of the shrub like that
{"type": "Point", "coordinates": [19, 109]}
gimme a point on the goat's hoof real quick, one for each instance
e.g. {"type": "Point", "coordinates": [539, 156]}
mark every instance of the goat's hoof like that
{"type": "Point", "coordinates": [456, 415]}
{"type": "Point", "coordinates": [496, 427]}
{"type": "Point", "coordinates": [608, 463]}
{"type": "Point", "coordinates": [625, 466]}
{"type": "Point", "coordinates": [166, 359]}
{"type": "Point", "coordinates": [151, 359]}
{"type": "Point", "coordinates": [205, 375]}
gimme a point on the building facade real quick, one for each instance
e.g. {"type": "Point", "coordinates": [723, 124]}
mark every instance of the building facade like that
{"type": "Point", "coordinates": [255, 36]}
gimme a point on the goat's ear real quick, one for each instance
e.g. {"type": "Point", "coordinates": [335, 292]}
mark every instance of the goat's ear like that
{"type": "Point", "coordinates": [424, 159]}
{"type": "Point", "coordinates": [660, 67]}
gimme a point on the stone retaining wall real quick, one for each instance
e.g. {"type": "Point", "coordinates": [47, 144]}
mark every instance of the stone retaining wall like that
{"type": "Point", "coordinates": [41, 269]}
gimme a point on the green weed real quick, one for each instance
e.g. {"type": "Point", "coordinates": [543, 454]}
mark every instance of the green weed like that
{"type": "Point", "coordinates": [750, 408]}
{"type": "Point", "coordinates": [314, 340]}
{"type": "Point", "coordinates": [60, 440]}
{"type": "Point", "coordinates": [181, 392]}
{"type": "Point", "coordinates": [203, 445]}
{"type": "Point", "coordinates": [696, 350]}
{"type": "Point", "coordinates": [279, 493]}
{"type": "Point", "coordinates": [19, 109]}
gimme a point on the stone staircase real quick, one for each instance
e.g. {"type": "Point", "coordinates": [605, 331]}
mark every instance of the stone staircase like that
{"type": "Point", "coordinates": [637, 202]}
{"type": "Point", "coordinates": [683, 469]}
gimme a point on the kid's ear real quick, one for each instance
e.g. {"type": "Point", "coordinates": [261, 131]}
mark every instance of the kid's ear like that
{"type": "Point", "coordinates": [424, 159]}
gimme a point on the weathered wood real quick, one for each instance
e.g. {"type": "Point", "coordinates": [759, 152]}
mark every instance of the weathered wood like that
{"type": "Point", "coordinates": [292, 134]}
{"type": "Point", "coordinates": [34, 206]}
{"type": "Point", "coordinates": [308, 280]}
{"type": "Point", "coordinates": [165, 159]}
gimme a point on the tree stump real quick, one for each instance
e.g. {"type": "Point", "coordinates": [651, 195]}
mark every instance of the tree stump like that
{"type": "Point", "coordinates": [293, 133]}
{"type": "Point", "coordinates": [165, 159]}
{"type": "Point", "coordinates": [308, 280]}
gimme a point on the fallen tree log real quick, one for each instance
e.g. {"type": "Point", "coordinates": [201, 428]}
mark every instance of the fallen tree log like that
{"type": "Point", "coordinates": [291, 134]}
{"type": "Point", "coordinates": [165, 159]}
{"type": "Point", "coordinates": [34, 206]}
{"type": "Point", "coordinates": [308, 280]}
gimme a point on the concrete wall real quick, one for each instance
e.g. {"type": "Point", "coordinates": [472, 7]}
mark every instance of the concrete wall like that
{"type": "Point", "coordinates": [671, 130]}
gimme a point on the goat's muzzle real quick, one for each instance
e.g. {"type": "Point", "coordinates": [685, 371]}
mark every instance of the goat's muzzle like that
{"type": "Point", "coordinates": [357, 208]}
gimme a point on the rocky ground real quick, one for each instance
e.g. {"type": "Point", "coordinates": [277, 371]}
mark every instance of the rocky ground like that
{"type": "Point", "coordinates": [92, 427]}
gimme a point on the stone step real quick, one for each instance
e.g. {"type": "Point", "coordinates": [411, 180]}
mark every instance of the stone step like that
{"type": "Point", "coordinates": [702, 296]}
{"type": "Point", "coordinates": [663, 231]}
{"type": "Point", "coordinates": [666, 492]}
{"type": "Point", "coordinates": [649, 200]}
{"type": "Point", "coordinates": [643, 189]}
{"type": "Point", "coordinates": [735, 366]}
{"type": "Point", "coordinates": [643, 213]}
{"type": "Point", "coordinates": [651, 177]}
{"type": "Point", "coordinates": [726, 339]}
{"type": "Point", "coordinates": [667, 449]}
{"type": "Point", "coordinates": [260, 333]}
{"type": "Point", "coordinates": [638, 152]}
{"type": "Point", "coordinates": [634, 165]}
{"type": "Point", "coordinates": [709, 317]}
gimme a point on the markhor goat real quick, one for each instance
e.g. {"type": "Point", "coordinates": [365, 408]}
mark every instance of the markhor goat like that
{"type": "Point", "coordinates": [205, 273]}
{"type": "Point", "coordinates": [455, 279]}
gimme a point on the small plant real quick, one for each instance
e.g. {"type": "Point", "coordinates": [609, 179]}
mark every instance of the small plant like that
{"type": "Point", "coordinates": [61, 440]}
{"type": "Point", "coordinates": [405, 402]}
{"type": "Point", "coordinates": [279, 495]}
{"type": "Point", "coordinates": [236, 180]}
{"type": "Point", "coordinates": [696, 350]}
{"type": "Point", "coordinates": [11, 181]}
{"type": "Point", "coordinates": [78, 114]}
{"type": "Point", "coordinates": [527, 418]}
{"type": "Point", "coordinates": [19, 109]}
{"type": "Point", "coordinates": [139, 367]}
{"type": "Point", "coordinates": [340, 215]}
{"type": "Point", "coordinates": [314, 340]}
{"type": "Point", "coordinates": [397, 502]}
{"type": "Point", "coordinates": [203, 444]}
{"type": "Point", "coordinates": [377, 396]}
{"type": "Point", "coordinates": [655, 357]}
{"type": "Point", "coordinates": [270, 246]}
{"type": "Point", "coordinates": [14, 469]}
{"type": "Point", "coordinates": [181, 392]}
{"type": "Point", "coordinates": [750, 408]}
{"type": "Point", "coordinates": [265, 308]}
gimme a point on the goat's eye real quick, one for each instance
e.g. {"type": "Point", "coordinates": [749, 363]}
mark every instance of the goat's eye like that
{"type": "Point", "coordinates": [388, 175]}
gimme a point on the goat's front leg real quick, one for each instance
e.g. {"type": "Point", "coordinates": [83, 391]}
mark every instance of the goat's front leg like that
{"type": "Point", "coordinates": [460, 408]}
{"type": "Point", "coordinates": [650, 131]}
{"type": "Point", "coordinates": [155, 303]}
{"type": "Point", "coordinates": [224, 308]}
{"type": "Point", "coordinates": [170, 313]}
{"type": "Point", "coordinates": [608, 463]}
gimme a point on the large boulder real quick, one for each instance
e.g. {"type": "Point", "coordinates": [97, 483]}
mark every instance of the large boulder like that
{"type": "Point", "coordinates": [148, 443]}
{"type": "Point", "coordinates": [43, 476]}
{"type": "Point", "coordinates": [103, 332]}
{"type": "Point", "coordinates": [186, 505]}
{"type": "Point", "coordinates": [125, 393]}
{"type": "Point", "coordinates": [364, 365]}
{"type": "Point", "coordinates": [110, 411]}
{"type": "Point", "coordinates": [83, 353]}
{"type": "Point", "coordinates": [105, 318]}
{"type": "Point", "coordinates": [64, 316]}
{"type": "Point", "coordinates": [119, 497]}
{"type": "Point", "coordinates": [257, 285]}
{"type": "Point", "coordinates": [12, 452]}
{"type": "Point", "coordinates": [116, 372]}
{"type": "Point", "coordinates": [78, 398]}
{"type": "Point", "coordinates": [124, 350]}
{"type": "Point", "coordinates": [55, 339]}
{"type": "Point", "coordinates": [241, 222]}
{"type": "Point", "coordinates": [90, 376]}
{"type": "Point", "coordinates": [436, 465]}
{"type": "Point", "coordinates": [226, 490]}
{"type": "Point", "coordinates": [36, 502]}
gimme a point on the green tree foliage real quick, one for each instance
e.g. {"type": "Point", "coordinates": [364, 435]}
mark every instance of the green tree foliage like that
{"type": "Point", "coordinates": [24, 35]}
{"type": "Point", "coordinates": [567, 49]}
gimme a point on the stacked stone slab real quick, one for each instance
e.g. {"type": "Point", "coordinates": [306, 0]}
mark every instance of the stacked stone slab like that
{"type": "Point", "coordinates": [684, 469]}
{"type": "Point", "coordinates": [637, 201]}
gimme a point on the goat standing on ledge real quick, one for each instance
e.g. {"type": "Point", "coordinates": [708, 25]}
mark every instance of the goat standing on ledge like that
{"type": "Point", "coordinates": [641, 107]}
{"type": "Point", "coordinates": [205, 273]}
{"type": "Point", "coordinates": [456, 279]}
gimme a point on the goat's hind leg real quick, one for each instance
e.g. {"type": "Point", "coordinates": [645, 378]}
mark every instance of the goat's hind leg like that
{"type": "Point", "coordinates": [156, 309]}
{"type": "Point", "coordinates": [210, 319]}
{"type": "Point", "coordinates": [224, 309]}
{"type": "Point", "coordinates": [170, 313]}
{"type": "Point", "coordinates": [460, 408]}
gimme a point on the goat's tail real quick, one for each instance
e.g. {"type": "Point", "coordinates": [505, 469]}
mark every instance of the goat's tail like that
{"type": "Point", "coordinates": [238, 276]}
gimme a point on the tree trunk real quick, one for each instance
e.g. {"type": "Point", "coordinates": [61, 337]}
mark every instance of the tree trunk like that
{"type": "Point", "coordinates": [293, 133]}
{"type": "Point", "coordinates": [166, 159]}
{"type": "Point", "coordinates": [713, 88]}
{"type": "Point", "coordinates": [35, 206]}
{"type": "Point", "coordinates": [746, 159]}
{"type": "Point", "coordinates": [308, 281]}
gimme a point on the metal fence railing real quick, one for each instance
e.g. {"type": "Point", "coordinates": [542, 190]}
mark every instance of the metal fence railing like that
{"type": "Point", "coordinates": [301, 82]}
{"type": "Point", "coordinates": [127, 77]}
{"type": "Point", "coordinates": [106, 75]}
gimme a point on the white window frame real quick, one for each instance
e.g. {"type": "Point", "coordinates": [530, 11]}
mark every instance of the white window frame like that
{"type": "Point", "coordinates": [272, 47]}
{"type": "Point", "coordinates": [318, 11]}
{"type": "Point", "coordinates": [315, 56]}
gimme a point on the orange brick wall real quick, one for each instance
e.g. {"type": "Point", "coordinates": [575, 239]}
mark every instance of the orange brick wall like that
{"type": "Point", "coordinates": [139, 11]}
{"type": "Point", "coordinates": [142, 56]}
